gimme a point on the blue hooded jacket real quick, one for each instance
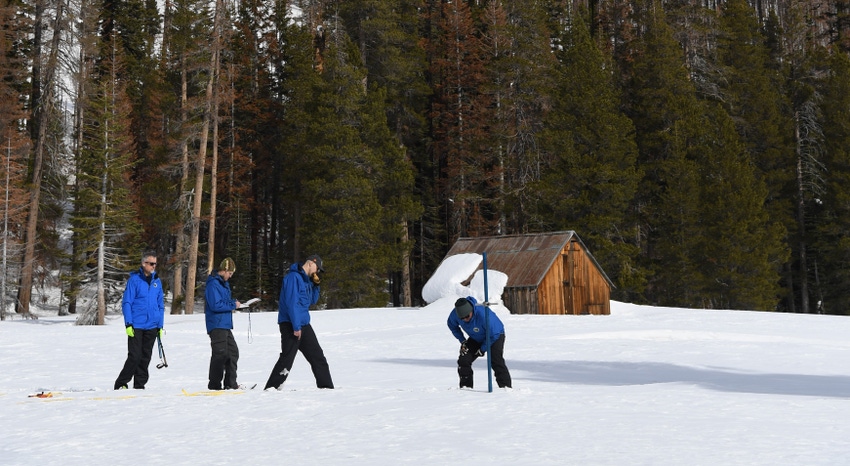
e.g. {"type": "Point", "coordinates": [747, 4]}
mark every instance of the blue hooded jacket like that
{"type": "Point", "coordinates": [218, 304]}
{"type": "Point", "coordinates": [143, 305]}
{"type": "Point", "coordinates": [297, 294]}
{"type": "Point", "coordinates": [475, 327]}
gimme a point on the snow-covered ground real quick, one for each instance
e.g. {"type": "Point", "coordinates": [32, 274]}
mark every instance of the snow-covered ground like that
{"type": "Point", "coordinates": [643, 386]}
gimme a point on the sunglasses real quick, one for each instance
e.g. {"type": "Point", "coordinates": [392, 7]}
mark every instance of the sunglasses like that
{"type": "Point", "coordinates": [152, 264]}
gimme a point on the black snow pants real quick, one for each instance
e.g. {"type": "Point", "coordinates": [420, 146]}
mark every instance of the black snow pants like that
{"type": "Point", "coordinates": [225, 355]}
{"type": "Point", "coordinates": [139, 350]}
{"type": "Point", "coordinates": [309, 346]}
{"type": "Point", "coordinates": [497, 358]}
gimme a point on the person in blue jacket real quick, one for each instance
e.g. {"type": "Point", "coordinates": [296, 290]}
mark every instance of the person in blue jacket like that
{"type": "Point", "coordinates": [218, 312]}
{"type": "Point", "coordinates": [469, 316]}
{"type": "Point", "coordinates": [299, 290]}
{"type": "Point", "coordinates": [144, 312]}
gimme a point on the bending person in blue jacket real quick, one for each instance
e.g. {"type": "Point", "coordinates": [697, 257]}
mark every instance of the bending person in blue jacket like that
{"type": "Point", "coordinates": [299, 291]}
{"type": "Point", "coordinates": [218, 311]}
{"type": "Point", "coordinates": [144, 312]}
{"type": "Point", "coordinates": [468, 316]}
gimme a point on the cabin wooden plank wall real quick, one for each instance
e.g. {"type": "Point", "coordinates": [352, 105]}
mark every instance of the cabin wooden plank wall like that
{"type": "Point", "coordinates": [520, 299]}
{"type": "Point", "coordinates": [571, 287]}
{"type": "Point", "coordinates": [552, 300]}
{"type": "Point", "coordinates": [586, 292]}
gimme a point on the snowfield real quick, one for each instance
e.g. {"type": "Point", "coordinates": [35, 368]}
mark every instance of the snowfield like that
{"type": "Point", "coordinates": [643, 386]}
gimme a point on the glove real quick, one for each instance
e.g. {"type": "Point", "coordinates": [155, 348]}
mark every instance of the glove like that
{"type": "Point", "coordinates": [315, 278]}
{"type": "Point", "coordinates": [479, 353]}
{"type": "Point", "coordinates": [161, 332]}
{"type": "Point", "coordinates": [463, 349]}
{"type": "Point", "coordinates": [130, 332]}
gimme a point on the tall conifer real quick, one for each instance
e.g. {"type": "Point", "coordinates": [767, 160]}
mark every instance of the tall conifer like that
{"type": "Point", "coordinates": [708, 238]}
{"type": "Point", "coordinates": [591, 179]}
{"type": "Point", "coordinates": [14, 142]}
{"type": "Point", "coordinates": [519, 78]}
{"type": "Point", "coordinates": [831, 245]}
{"type": "Point", "coordinates": [342, 216]}
{"type": "Point", "coordinates": [387, 36]}
{"type": "Point", "coordinates": [460, 113]}
{"type": "Point", "coordinates": [751, 92]}
{"type": "Point", "coordinates": [104, 217]}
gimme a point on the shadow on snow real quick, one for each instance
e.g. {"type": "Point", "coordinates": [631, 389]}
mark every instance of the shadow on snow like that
{"type": "Point", "coordinates": [644, 373]}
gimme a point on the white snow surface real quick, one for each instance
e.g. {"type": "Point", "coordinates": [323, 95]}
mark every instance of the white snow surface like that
{"type": "Point", "coordinates": [643, 386]}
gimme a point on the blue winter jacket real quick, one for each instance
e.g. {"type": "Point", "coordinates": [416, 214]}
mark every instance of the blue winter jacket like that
{"type": "Point", "coordinates": [218, 305]}
{"type": "Point", "coordinates": [475, 327]}
{"type": "Point", "coordinates": [297, 294]}
{"type": "Point", "coordinates": [143, 305]}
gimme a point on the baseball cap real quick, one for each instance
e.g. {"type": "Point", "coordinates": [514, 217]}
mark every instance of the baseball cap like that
{"type": "Point", "coordinates": [318, 260]}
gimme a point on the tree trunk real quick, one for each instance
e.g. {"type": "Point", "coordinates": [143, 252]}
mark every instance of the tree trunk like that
{"type": "Point", "coordinates": [177, 303]}
{"type": "Point", "coordinates": [101, 259]}
{"type": "Point", "coordinates": [41, 104]}
{"type": "Point", "coordinates": [801, 225]}
{"type": "Point", "coordinates": [407, 298]}
{"type": "Point", "coordinates": [192, 270]}
{"type": "Point", "coordinates": [213, 173]}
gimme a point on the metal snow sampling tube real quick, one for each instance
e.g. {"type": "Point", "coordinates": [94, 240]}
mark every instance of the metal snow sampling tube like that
{"type": "Point", "coordinates": [487, 327]}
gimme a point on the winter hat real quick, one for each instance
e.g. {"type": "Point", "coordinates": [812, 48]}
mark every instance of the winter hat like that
{"type": "Point", "coordinates": [463, 308]}
{"type": "Point", "coordinates": [318, 260]}
{"type": "Point", "coordinates": [227, 265]}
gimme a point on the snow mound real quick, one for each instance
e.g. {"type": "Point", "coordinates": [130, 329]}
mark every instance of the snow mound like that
{"type": "Point", "coordinates": [449, 276]}
{"type": "Point", "coordinates": [446, 284]}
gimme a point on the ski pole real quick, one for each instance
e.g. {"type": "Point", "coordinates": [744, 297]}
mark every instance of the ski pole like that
{"type": "Point", "coordinates": [163, 362]}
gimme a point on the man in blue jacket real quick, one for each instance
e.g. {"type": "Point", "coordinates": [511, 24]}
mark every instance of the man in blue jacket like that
{"type": "Point", "coordinates": [218, 311]}
{"type": "Point", "coordinates": [144, 313]}
{"type": "Point", "coordinates": [470, 317]}
{"type": "Point", "coordinates": [299, 291]}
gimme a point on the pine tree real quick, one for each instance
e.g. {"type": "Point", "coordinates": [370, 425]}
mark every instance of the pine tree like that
{"type": "Point", "coordinates": [519, 72]}
{"type": "Point", "coordinates": [831, 243]}
{"type": "Point", "coordinates": [663, 108]}
{"type": "Point", "coordinates": [137, 29]}
{"type": "Point", "coordinates": [296, 84]}
{"type": "Point", "coordinates": [14, 142]}
{"type": "Point", "coordinates": [460, 113]}
{"type": "Point", "coordinates": [752, 95]}
{"type": "Point", "coordinates": [709, 240]}
{"type": "Point", "coordinates": [104, 220]}
{"type": "Point", "coordinates": [186, 61]}
{"type": "Point", "coordinates": [386, 34]}
{"type": "Point", "coordinates": [591, 181]}
{"type": "Point", "coordinates": [741, 249]}
{"type": "Point", "coordinates": [393, 180]}
{"type": "Point", "coordinates": [47, 132]}
{"type": "Point", "coordinates": [342, 215]}
{"type": "Point", "coordinates": [233, 171]}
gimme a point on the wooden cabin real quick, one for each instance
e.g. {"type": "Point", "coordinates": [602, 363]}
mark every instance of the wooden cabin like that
{"type": "Point", "coordinates": [548, 273]}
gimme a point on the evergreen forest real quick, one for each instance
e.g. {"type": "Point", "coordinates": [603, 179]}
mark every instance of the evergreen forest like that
{"type": "Point", "coordinates": [700, 149]}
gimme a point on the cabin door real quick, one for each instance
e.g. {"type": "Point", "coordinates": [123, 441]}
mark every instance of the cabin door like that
{"type": "Point", "coordinates": [575, 280]}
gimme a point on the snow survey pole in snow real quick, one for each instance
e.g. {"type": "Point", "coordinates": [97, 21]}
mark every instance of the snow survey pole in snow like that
{"type": "Point", "coordinates": [487, 327]}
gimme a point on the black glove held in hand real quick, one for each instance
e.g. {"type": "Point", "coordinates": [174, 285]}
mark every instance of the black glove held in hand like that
{"type": "Point", "coordinates": [463, 349]}
{"type": "Point", "coordinates": [479, 353]}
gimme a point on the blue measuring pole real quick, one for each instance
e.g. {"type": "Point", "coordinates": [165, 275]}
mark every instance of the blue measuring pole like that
{"type": "Point", "coordinates": [487, 326]}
